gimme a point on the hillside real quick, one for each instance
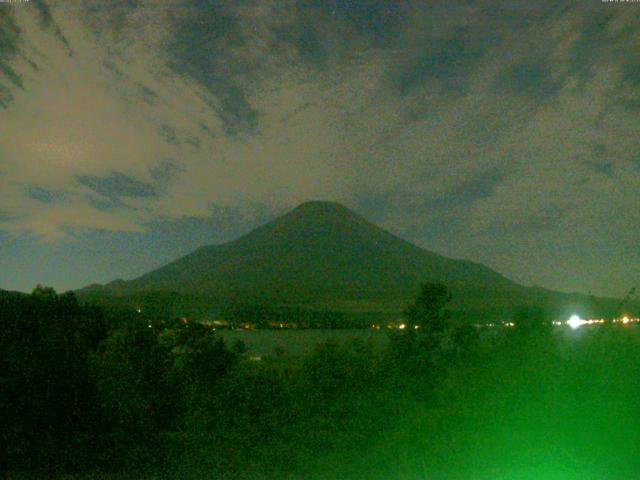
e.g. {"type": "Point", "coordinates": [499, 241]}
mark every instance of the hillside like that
{"type": "Point", "coordinates": [6, 294]}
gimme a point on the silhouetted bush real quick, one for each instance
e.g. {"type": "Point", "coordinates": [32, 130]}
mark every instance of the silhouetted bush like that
{"type": "Point", "coordinates": [48, 403]}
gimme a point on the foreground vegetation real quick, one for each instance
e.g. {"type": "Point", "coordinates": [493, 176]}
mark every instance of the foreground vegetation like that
{"type": "Point", "coordinates": [93, 395]}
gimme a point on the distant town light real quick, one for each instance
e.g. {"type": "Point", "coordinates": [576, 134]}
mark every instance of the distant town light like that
{"type": "Point", "coordinates": [575, 322]}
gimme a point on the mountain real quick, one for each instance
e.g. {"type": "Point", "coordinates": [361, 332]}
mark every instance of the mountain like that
{"type": "Point", "coordinates": [320, 255]}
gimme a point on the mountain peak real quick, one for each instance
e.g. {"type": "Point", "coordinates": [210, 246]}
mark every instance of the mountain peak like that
{"type": "Point", "coordinates": [326, 215]}
{"type": "Point", "coordinates": [321, 207]}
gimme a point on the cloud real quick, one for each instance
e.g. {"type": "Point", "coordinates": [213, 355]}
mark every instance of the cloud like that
{"type": "Point", "coordinates": [472, 127]}
{"type": "Point", "coordinates": [43, 195]}
{"type": "Point", "coordinates": [530, 78]}
{"type": "Point", "coordinates": [117, 184]}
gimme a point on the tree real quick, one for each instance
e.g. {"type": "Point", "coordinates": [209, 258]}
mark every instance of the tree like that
{"type": "Point", "coordinates": [424, 354]}
{"type": "Point", "coordinates": [429, 311]}
{"type": "Point", "coordinates": [43, 292]}
{"type": "Point", "coordinates": [48, 406]}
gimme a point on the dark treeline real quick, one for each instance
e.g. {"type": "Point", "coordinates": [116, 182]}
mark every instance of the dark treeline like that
{"type": "Point", "coordinates": [87, 392]}
{"type": "Point", "coordinates": [260, 315]}
{"type": "Point", "coordinates": [266, 316]}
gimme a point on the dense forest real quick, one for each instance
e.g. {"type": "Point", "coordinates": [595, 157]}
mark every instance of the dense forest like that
{"type": "Point", "coordinates": [118, 395]}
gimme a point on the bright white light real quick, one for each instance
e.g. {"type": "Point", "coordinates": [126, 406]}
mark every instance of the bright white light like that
{"type": "Point", "coordinates": [575, 322]}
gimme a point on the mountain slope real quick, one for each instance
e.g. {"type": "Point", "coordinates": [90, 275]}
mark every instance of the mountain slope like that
{"type": "Point", "coordinates": [323, 255]}
{"type": "Point", "coordinates": [318, 251]}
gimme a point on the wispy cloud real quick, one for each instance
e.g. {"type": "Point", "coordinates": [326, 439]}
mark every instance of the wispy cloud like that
{"type": "Point", "coordinates": [450, 122]}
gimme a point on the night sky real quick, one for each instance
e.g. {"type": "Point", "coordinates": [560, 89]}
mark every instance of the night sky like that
{"type": "Point", "coordinates": [505, 132]}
